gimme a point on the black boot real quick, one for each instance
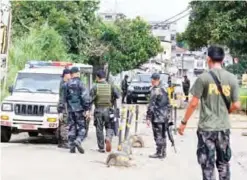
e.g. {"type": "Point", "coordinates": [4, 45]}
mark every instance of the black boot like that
{"type": "Point", "coordinates": [157, 154]}
{"type": "Point", "coordinates": [72, 150]}
{"type": "Point", "coordinates": [79, 147]}
{"type": "Point", "coordinates": [163, 153]}
{"type": "Point", "coordinates": [101, 150]}
{"type": "Point", "coordinates": [63, 144]}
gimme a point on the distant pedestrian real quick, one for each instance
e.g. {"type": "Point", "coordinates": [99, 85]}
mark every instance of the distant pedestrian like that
{"type": "Point", "coordinates": [186, 87]}
{"type": "Point", "coordinates": [218, 92]}
{"type": "Point", "coordinates": [124, 87]}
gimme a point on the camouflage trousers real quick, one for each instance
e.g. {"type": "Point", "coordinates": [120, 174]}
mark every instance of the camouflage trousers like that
{"type": "Point", "coordinates": [159, 132]}
{"type": "Point", "coordinates": [211, 144]}
{"type": "Point", "coordinates": [63, 129]}
{"type": "Point", "coordinates": [77, 128]}
{"type": "Point", "coordinates": [101, 121]}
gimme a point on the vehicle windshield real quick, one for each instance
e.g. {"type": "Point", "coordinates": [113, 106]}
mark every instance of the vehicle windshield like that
{"type": "Point", "coordinates": [147, 78]}
{"type": "Point", "coordinates": [142, 78]}
{"type": "Point", "coordinates": [35, 82]}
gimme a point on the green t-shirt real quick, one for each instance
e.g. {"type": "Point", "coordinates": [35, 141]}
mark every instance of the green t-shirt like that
{"type": "Point", "coordinates": [213, 112]}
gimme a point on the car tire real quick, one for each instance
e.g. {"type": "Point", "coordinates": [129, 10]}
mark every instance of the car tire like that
{"type": "Point", "coordinates": [33, 134]}
{"type": "Point", "coordinates": [5, 134]}
{"type": "Point", "coordinates": [135, 101]}
{"type": "Point", "coordinates": [128, 99]}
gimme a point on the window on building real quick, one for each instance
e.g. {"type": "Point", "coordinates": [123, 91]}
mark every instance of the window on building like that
{"type": "Point", "coordinates": [173, 37]}
{"type": "Point", "coordinates": [155, 27]}
{"type": "Point", "coordinates": [162, 38]}
{"type": "Point", "coordinates": [108, 17]}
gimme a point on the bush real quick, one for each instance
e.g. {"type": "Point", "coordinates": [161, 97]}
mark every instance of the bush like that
{"type": "Point", "coordinates": [40, 44]}
{"type": "Point", "coordinates": [243, 100]}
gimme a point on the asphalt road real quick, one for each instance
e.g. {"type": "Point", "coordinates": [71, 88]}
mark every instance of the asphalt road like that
{"type": "Point", "coordinates": [27, 158]}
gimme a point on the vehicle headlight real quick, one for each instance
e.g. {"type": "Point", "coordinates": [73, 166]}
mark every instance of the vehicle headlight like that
{"type": "Point", "coordinates": [7, 107]}
{"type": "Point", "coordinates": [52, 110]}
{"type": "Point", "coordinates": [130, 88]}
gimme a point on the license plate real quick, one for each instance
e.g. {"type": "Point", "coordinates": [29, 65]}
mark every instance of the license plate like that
{"type": "Point", "coordinates": [141, 95]}
{"type": "Point", "coordinates": [5, 123]}
{"type": "Point", "coordinates": [28, 126]}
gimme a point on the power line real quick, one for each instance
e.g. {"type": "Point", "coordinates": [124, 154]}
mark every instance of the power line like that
{"type": "Point", "coordinates": [179, 18]}
{"type": "Point", "coordinates": [173, 16]}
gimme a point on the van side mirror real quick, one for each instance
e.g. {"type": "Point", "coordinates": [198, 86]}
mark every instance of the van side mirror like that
{"type": "Point", "coordinates": [11, 88]}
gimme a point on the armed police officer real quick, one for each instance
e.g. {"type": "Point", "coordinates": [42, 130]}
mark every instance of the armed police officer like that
{"type": "Point", "coordinates": [77, 100]}
{"type": "Point", "coordinates": [104, 98]}
{"type": "Point", "coordinates": [157, 113]}
{"type": "Point", "coordinates": [63, 128]}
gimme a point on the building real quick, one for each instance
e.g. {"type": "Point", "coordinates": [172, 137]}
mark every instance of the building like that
{"type": "Point", "coordinates": [190, 62]}
{"type": "Point", "coordinates": [166, 32]}
{"type": "Point", "coordinates": [111, 16]}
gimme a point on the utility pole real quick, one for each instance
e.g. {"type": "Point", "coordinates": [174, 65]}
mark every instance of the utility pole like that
{"type": "Point", "coordinates": [182, 58]}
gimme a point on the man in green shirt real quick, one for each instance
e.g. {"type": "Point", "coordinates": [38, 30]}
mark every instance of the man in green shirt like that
{"type": "Point", "coordinates": [214, 127]}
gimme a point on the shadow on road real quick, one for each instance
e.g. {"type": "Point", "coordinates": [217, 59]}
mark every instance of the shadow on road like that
{"type": "Point", "coordinates": [139, 102]}
{"type": "Point", "coordinates": [35, 140]}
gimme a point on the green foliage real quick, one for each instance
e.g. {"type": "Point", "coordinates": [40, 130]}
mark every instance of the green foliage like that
{"type": "Point", "coordinates": [126, 44]}
{"type": "Point", "coordinates": [243, 99]}
{"type": "Point", "coordinates": [219, 22]}
{"type": "Point", "coordinates": [41, 44]}
{"type": "Point", "coordinates": [123, 45]}
{"type": "Point", "coordinates": [180, 41]}
{"type": "Point", "coordinates": [72, 19]}
{"type": "Point", "coordinates": [239, 68]}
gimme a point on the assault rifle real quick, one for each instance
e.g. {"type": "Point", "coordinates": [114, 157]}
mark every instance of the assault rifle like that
{"type": "Point", "coordinates": [169, 128]}
{"type": "Point", "coordinates": [116, 118]}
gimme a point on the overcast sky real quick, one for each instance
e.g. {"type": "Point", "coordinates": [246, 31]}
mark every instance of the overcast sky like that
{"type": "Point", "coordinates": [151, 10]}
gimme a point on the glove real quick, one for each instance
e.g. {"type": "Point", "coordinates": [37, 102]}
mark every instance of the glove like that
{"type": "Point", "coordinates": [60, 109]}
{"type": "Point", "coordinates": [87, 115]}
{"type": "Point", "coordinates": [60, 117]}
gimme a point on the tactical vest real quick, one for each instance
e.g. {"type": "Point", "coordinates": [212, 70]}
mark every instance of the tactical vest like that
{"type": "Point", "coordinates": [103, 96]}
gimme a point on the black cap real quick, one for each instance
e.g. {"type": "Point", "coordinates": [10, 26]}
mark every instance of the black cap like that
{"type": "Point", "coordinates": [100, 74]}
{"type": "Point", "coordinates": [65, 71]}
{"type": "Point", "coordinates": [126, 76]}
{"type": "Point", "coordinates": [74, 70]}
{"type": "Point", "coordinates": [155, 76]}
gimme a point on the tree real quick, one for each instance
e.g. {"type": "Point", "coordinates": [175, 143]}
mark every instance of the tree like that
{"type": "Point", "coordinates": [72, 19]}
{"type": "Point", "coordinates": [127, 44]}
{"type": "Point", "coordinates": [220, 22]}
{"type": "Point", "coordinates": [122, 45]}
{"type": "Point", "coordinates": [43, 43]}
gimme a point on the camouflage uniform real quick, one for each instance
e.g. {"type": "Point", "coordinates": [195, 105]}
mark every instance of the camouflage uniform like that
{"type": "Point", "coordinates": [78, 101]}
{"type": "Point", "coordinates": [63, 127]}
{"type": "Point", "coordinates": [214, 123]}
{"type": "Point", "coordinates": [158, 114]}
{"type": "Point", "coordinates": [210, 142]}
{"type": "Point", "coordinates": [103, 95]}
